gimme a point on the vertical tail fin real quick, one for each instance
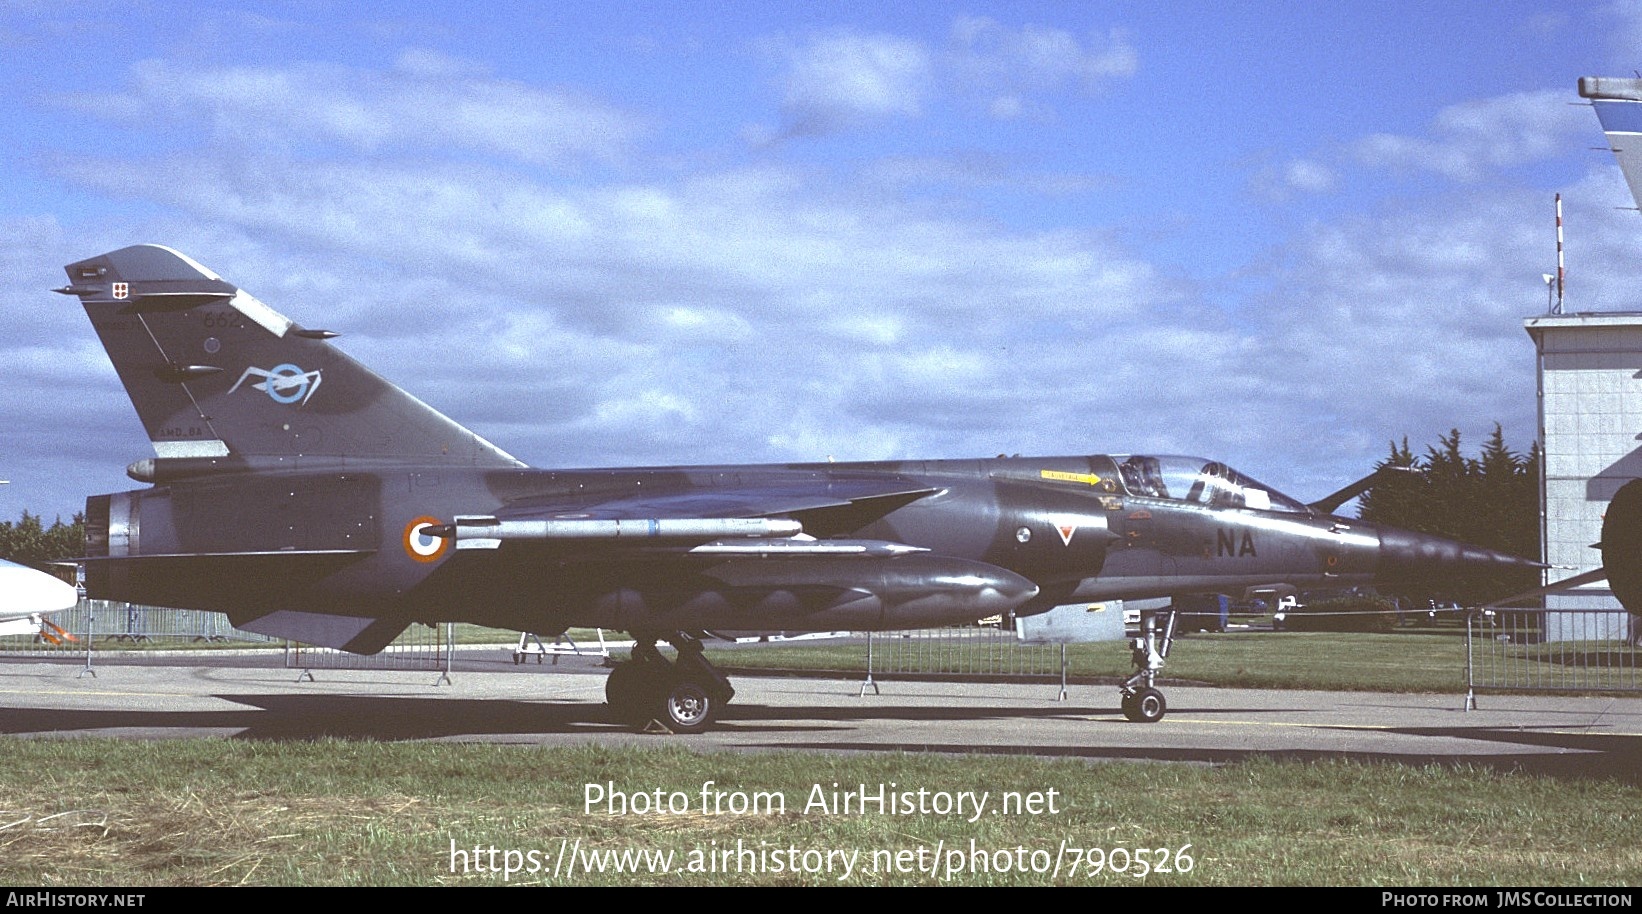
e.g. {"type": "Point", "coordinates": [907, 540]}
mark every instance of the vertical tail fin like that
{"type": "Point", "coordinates": [215, 373]}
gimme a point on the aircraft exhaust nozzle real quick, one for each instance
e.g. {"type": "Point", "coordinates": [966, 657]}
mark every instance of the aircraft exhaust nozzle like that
{"type": "Point", "coordinates": [1409, 556]}
{"type": "Point", "coordinates": [1622, 546]}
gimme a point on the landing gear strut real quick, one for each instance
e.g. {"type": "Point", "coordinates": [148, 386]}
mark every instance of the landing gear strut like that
{"type": "Point", "coordinates": [1142, 702]}
{"type": "Point", "coordinates": [684, 695]}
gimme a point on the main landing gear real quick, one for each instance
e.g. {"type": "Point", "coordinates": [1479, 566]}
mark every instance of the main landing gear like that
{"type": "Point", "coordinates": [1142, 702]}
{"type": "Point", "coordinates": [683, 695]}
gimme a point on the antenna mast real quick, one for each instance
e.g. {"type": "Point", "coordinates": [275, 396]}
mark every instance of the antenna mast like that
{"type": "Point", "coordinates": [1560, 272]}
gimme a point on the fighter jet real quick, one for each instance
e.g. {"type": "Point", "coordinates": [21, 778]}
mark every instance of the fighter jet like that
{"type": "Point", "coordinates": [27, 596]}
{"type": "Point", "coordinates": [307, 498]}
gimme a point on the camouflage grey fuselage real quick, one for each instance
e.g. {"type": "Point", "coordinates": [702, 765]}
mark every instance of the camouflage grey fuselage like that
{"type": "Point", "coordinates": [304, 495]}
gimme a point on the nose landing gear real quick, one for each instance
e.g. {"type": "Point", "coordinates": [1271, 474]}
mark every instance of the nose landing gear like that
{"type": "Point", "coordinates": [1142, 702]}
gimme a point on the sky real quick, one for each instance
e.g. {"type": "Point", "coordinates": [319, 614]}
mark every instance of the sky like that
{"type": "Point", "coordinates": [1278, 234]}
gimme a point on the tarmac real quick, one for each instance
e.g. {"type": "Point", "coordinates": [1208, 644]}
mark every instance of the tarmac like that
{"type": "Point", "coordinates": [491, 700]}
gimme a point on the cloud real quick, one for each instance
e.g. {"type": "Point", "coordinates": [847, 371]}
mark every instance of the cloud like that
{"type": "Point", "coordinates": [740, 314]}
{"type": "Point", "coordinates": [1010, 67]}
{"type": "Point", "coordinates": [1280, 182]}
{"type": "Point", "coordinates": [1621, 27]}
{"type": "Point", "coordinates": [978, 171]}
{"type": "Point", "coordinates": [784, 313]}
{"type": "Point", "coordinates": [68, 418]}
{"type": "Point", "coordinates": [759, 312]}
{"type": "Point", "coordinates": [427, 102]}
{"type": "Point", "coordinates": [1310, 177]}
{"type": "Point", "coordinates": [1408, 321]}
{"type": "Point", "coordinates": [844, 80]}
{"type": "Point", "coordinates": [1471, 141]}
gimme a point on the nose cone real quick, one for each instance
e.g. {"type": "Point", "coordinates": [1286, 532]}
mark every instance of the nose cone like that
{"type": "Point", "coordinates": [1408, 557]}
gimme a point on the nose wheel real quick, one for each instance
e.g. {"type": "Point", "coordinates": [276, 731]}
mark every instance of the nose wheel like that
{"type": "Point", "coordinates": [1144, 705]}
{"type": "Point", "coordinates": [1142, 702]}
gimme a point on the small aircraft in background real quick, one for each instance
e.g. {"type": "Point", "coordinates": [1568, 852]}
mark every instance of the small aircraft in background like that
{"type": "Point", "coordinates": [27, 596]}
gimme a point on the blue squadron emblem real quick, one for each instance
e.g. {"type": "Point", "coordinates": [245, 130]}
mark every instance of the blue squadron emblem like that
{"type": "Point", "coordinates": [283, 383]}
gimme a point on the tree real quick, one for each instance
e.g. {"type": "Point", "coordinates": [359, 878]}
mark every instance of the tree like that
{"type": "Point", "coordinates": [31, 543]}
{"type": "Point", "coordinates": [1491, 500]}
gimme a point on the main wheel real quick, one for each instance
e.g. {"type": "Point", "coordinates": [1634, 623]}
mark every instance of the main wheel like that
{"type": "Point", "coordinates": [1145, 706]}
{"type": "Point", "coordinates": [626, 692]}
{"type": "Point", "coordinates": [686, 707]}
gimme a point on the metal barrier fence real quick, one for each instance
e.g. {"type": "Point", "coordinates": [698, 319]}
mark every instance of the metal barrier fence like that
{"type": "Point", "coordinates": [113, 625]}
{"type": "Point", "coordinates": [420, 647]}
{"type": "Point", "coordinates": [112, 629]}
{"type": "Point", "coordinates": [961, 650]}
{"type": "Point", "coordinates": [1588, 649]}
{"type": "Point", "coordinates": [1566, 648]}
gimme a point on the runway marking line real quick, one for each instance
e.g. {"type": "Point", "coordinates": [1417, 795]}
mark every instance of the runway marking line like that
{"type": "Point", "coordinates": [1557, 731]}
{"type": "Point", "coordinates": [121, 694]}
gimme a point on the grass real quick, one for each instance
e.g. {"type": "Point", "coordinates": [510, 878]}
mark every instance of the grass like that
{"type": "Point", "coordinates": [222, 812]}
{"type": "Point", "coordinates": [92, 812]}
{"type": "Point", "coordinates": [1397, 662]}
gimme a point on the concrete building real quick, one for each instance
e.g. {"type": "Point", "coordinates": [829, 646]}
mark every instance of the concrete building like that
{"type": "Point", "coordinates": [1590, 424]}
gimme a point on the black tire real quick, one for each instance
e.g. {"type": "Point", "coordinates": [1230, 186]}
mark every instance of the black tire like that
{"type": "Point", "coordinates": [1145, 706]}
{"type": "Point", "coordinates": [626, 693]}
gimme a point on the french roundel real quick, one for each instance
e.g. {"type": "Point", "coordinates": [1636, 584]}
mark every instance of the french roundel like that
{"type": "Point", "coordinates": [419, 545]}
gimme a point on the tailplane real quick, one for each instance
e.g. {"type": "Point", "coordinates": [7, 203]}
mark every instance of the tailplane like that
{"type": "Point", "coordinates": [217, 376]}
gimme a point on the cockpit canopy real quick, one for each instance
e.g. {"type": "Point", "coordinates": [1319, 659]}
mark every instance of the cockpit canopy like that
{"type": "Point", "coordinates": [1193, 479]}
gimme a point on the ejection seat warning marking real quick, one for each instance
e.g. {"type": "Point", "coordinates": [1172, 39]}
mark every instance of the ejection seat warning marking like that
{"type": "Point", "coordinates": [419, 545]}
{"type": "Point", "coordinates": [1063, 476]}
{"type": "Point", "coordinates": [1066, 531]}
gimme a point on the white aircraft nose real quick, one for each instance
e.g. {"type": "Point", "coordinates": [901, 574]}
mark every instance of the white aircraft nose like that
{"type": "Point", "coordinates": [24, 591]}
